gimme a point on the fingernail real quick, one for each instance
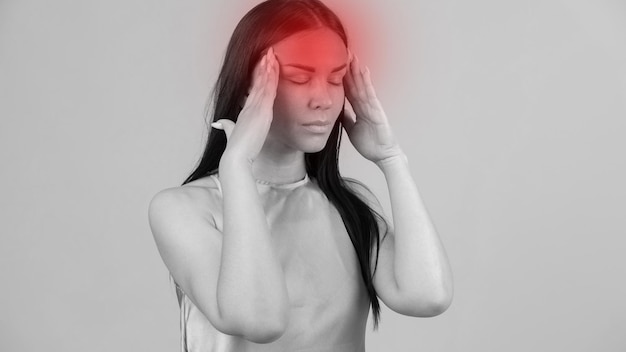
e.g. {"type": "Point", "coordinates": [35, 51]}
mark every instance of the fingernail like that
{"type": "Point", "coordinates": [217, 125]}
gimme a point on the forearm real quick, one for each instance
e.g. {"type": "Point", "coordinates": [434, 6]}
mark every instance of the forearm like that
{"type": "Point", "coordinates": [251, 281]}
{"type": "Point", "coordinates": [421, 265]}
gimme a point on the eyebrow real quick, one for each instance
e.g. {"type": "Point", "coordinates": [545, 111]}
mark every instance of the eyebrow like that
{"type": "Point", "coordinates": [312, 69]}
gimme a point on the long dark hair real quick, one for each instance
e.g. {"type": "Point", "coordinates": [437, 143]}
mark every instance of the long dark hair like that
{"type": "Point", "coordinates": [266, 24]}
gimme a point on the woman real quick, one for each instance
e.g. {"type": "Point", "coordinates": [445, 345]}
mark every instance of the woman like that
{"type": "Point", "coordinates": [269, 247]}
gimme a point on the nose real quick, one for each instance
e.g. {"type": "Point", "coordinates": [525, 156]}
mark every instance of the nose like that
{"type": "Point", "coordinates": [320, 96]}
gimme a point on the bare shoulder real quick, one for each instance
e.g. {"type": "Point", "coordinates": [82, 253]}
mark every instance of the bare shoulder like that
{"type": "Point", "coordinates": [206, 182]}
{"type": "Point", "coordinates": [181, 220]}
{"type": "Point", "coordinates": [196, 198]}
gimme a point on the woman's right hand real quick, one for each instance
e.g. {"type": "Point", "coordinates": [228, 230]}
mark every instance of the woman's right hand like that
{"type": "Point", "coordinates": [246, 138]}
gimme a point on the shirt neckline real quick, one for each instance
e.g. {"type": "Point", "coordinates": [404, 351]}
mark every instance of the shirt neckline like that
{"type": "Point", "coordinates": [288, 185]}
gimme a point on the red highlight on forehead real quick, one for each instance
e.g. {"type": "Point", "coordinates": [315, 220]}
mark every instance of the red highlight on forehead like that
{"type": "Point", "coordinates": [365, 30]}
{"type": "Point", "coordinates": [320, 49]}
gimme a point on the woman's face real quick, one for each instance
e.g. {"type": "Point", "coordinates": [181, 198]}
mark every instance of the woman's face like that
{"type": "Point", "coordinates": [310, 88]}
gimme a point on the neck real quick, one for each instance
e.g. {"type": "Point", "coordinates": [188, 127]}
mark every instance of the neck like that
{"type": "Point", "coordinates": [277, 166]}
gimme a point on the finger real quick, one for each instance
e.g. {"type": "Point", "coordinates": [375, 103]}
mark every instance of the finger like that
{"type": "Point", "coordinates": [263, 71]}
{"type": "Point", "coordinates": [255, 73]}
{"type": "Point", "coordinates": [353, 84]}
{"type": "Point", "coordinates": [266, 92]}
{"type": "Point", "coordinates": [256, 88]}
{"type": "Point", "coordinates": [369, 86]}
{"type": "Point", "coordinates": [273, 74]}
{"type": "Point", "coordinates": [349, 81]}
{"type": "Point", "coordinates": [358, 79]}
{"type": "Point", "coordinates": [258, 76]}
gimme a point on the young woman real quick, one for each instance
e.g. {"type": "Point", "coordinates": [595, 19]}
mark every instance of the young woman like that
{"type": "Point", "coordinates": [269, 247]}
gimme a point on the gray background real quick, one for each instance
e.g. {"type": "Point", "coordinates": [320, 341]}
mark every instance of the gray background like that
{"type": "Point", "coordinates": [512, 115]}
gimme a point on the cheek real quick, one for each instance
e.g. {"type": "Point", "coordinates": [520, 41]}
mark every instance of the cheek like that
{"type": "Point", "coordinates": [338, 94]}
{"type": "Point", "coordinates": [290, 98]}
{"type": "Point", "coordinates": [338, 97]}
{"type": "Point", "coordinates": [286, 98]}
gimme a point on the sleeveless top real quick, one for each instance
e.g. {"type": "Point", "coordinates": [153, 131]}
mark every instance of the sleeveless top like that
{"type": "Point", "coordinates": [329, 301]}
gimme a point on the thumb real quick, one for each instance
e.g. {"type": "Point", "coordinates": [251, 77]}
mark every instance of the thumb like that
{"type": "Point", "coordinates": [226, 125]}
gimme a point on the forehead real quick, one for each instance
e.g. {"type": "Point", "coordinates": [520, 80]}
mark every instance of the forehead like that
{"type": "Point", "coordinates": [318, 48]}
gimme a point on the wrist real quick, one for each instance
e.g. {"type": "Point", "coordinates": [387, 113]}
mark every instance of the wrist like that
{"type": "Point", "coordinates": [232, 160]}
{"type": "Point", "coordinates": [400, 157]}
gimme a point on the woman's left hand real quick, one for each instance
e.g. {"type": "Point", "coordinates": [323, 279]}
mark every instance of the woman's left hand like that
{"type": "Point", "coordinates": [365, 122]}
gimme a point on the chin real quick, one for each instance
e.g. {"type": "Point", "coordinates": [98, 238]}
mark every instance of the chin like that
{"type": "Point", "coordinates": [314, 146]}
{"type": "Point", "coordinates": [312, 149]}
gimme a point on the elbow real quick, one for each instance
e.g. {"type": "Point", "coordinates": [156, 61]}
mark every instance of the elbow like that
{"type": "Point", "coordinates": [261, 328]}
{"type": "Point", "coordinates": [259, 320]}
{"type": "Point", "coordinates": [437, 306]}
{"type": "Point", "coordinates": [428, 308]}
{"type": "Point", "coordinates": [440, 302]}
{"type": "Point", "coordinates": [425, 305]}
{"type": "Point", "coordinates": [265, 332]}
{"type": "Point", "coordinates": [440, 299]}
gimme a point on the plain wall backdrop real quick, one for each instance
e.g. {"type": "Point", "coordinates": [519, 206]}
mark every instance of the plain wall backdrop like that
{"type": "Point", "coordinates": [512, 115]}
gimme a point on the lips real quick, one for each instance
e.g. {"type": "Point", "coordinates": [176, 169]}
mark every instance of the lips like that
{"type": "Point", "coordinates": [318, 123]}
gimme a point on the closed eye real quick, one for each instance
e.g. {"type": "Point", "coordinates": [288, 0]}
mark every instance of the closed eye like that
{"type": "Point", "coordinates": [299, 79]}
{"type": "Point", "coordinates": [336, 81]}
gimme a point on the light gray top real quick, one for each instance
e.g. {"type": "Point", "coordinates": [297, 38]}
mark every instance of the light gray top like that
{"type": "Point", "coordinates": [329, 302]}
